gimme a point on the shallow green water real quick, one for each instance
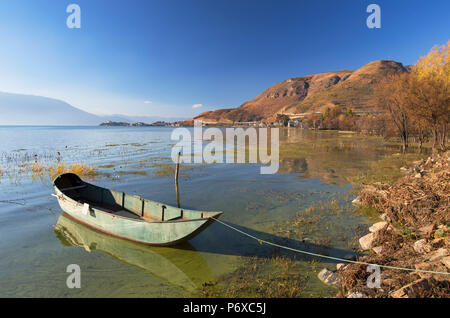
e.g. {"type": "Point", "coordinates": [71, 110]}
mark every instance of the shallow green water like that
{"type": "Point", "coordinates": [306, 205]}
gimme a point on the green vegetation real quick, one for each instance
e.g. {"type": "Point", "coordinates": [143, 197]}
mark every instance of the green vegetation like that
{"type": "Point", "coordinates": [273, 278]}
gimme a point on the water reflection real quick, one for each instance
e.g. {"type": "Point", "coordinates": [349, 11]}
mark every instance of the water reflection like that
{"type": "Point", "coordinates": [295, 165]}
{"type": "Point", "coordinates": [228, 242]}
{"type": "Point", "coordinates": [183, 266]}
{"type": "Point", "coordinates": [339, 158]}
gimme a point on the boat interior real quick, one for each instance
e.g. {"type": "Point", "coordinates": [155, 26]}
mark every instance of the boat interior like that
{"type": "Point", "coordinates": [120, 203]}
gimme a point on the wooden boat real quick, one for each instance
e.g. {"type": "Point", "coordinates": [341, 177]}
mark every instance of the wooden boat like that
{"type": "Point", "coordinates": [128, 216]}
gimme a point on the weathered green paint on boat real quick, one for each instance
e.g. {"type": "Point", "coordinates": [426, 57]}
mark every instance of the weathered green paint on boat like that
{"type": "Point", "coordinates": [128, 216]}
{"type": "Point", "coordinates": [182, 267]}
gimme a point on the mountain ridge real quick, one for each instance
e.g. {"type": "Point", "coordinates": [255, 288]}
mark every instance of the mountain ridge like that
{"type": "Point", "coordinates": [22, 109]}
{"type": "Point", "coordinates": [310, 93]}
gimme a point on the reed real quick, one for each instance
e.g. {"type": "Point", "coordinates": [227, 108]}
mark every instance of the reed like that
{"type": "Point", "coordinates": [42, 170]}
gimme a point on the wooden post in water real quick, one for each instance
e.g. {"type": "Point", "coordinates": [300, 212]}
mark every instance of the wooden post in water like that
{"type": "Point", "coordinates": [177, 169]}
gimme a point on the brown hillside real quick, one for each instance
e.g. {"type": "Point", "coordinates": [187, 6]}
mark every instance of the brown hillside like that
{"type": "Point", "coordinates": [311, 93]}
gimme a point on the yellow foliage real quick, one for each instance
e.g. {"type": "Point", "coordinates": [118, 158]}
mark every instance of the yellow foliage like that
{"type": "Point", "coordinates": [436, 64]}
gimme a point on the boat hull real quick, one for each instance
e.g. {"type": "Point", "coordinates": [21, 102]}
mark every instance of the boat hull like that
{"type": "Point", "coordinates": [150, 233]}
{"type": "Point", "coordinates": [158, 233]}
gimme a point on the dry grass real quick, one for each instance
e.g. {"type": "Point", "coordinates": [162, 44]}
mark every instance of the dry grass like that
{"type": "Point", "coordinates": [41, 170]}
{"type": "Point", "coordinates": [415, 201]}
{"type": "Point", "coordinates": [411, 203]}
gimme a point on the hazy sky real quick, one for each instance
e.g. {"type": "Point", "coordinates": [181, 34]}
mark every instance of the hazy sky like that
{"type": "Point", "coordinates": [180, 58]}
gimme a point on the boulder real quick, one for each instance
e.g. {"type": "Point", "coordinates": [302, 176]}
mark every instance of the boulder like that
{"type": "Point", "coordinates": [377, 226]}
{"type": "Point", "coordinates": [427, 230]}
{"type": "Point", "coordinates": [388, 281]}
{"type": "Point", "coordinates": [366, 242]}
{"type": "Point", "coordinates": [378, 249]}
{"type": "Point", "coordinates": [412, 290]}
{"type": "Point", "coordinates": [330, 278]}
{"type": "Point", "coordinates": [436, 266]}
{"type": "Point", "coordinates": [438, 254]}
{"type": "Point", "coordinates": [446, 261]}
{"type": "Point", "coordinates": [357, 295]}
{"type": "Point", "coordinates": [421, 246]}
{"type": "Point", "coordinates": [385, 217]}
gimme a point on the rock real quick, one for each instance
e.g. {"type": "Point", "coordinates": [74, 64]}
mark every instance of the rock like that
{"type": "Point", "coordinates": [446, 261]}
{"type": "Point", "coordinates": [388, 281]}
{"type": "Point", "coordinates": [404, 168]}
{"type": "Point", "coordinates": [412, 290]}
{"type": "Point", "coordinates": [421, 246]}
{"type": "Point", "coordinates": [440, 253]}
{"type": "Point", "coordinates": [377, 226]}
{"type": "Point", "coordinates": [340, 265]}
{"type": "Point", "coordinates": [429, 266]}
{"type": "Point", "coordinates": [366, 242]}
{"type": "Point", "coordinates": [330, 278]}
{"type": "Point", "coordinates": [427, 230]}
{"type": "Point", "coordinates": [357, 201]}
{"type": "Point", "coordinates": [357, 295]}
{"type": "Point", "coordinates": [378, 249]}
{"type": "Point", "coordinates": [418, 175]}
{"type": "Point", "coordinates": [385, 217]}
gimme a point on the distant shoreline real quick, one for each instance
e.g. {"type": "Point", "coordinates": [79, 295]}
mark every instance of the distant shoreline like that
{"type": "Point", "coordinates": [137, 124]}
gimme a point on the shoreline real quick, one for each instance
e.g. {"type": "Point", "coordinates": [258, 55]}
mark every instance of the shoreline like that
{"type": "Point", "coordinates": [413, 232]}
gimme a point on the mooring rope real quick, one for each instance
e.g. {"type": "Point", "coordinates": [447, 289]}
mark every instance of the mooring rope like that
{"type": "Point", "coordinates": [261, 241]}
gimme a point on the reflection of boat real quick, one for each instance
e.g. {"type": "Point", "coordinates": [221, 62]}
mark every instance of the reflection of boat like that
{"type": "Point", "coordinates": [128, 216]}
{"type": "Point", "coordinates": [183, 267]}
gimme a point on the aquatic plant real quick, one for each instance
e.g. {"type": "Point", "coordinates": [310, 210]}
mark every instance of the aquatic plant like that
{"type": "Point", "coordinates": [41, 170]}
{"type": "Point", "coordinates": [275, 277]}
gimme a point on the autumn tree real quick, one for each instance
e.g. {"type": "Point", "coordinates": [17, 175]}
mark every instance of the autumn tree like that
{"type": "Point", "coordinates": [393, 95]}
{"type": "Point", "coordinates": [430, 93]}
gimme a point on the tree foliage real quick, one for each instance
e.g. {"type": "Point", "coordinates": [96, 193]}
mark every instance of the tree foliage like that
{"type": "Point", "coordinates": [430, 93]}
{"type": "Point", "coordinates": [418, 102]}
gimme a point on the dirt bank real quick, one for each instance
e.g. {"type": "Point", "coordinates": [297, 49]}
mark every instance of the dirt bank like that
{"type": "Point", "coordinates": [413, 232]}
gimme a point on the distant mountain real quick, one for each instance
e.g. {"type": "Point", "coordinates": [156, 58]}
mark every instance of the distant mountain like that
{"type": "Point", "coordinates": [311, 93]}
{"type": "Point", "coordinates": [17, 109]}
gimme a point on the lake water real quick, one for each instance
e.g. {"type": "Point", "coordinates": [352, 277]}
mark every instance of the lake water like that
{"type": "Point", "coordinates": [306, 205]}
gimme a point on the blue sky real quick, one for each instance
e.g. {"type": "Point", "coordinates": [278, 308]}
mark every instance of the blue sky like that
{"type": "Point", "coordinates": [159, 58]}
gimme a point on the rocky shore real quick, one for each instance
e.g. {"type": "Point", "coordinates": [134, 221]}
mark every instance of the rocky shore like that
{"type": "Point", "coordinates": [413, 232]}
